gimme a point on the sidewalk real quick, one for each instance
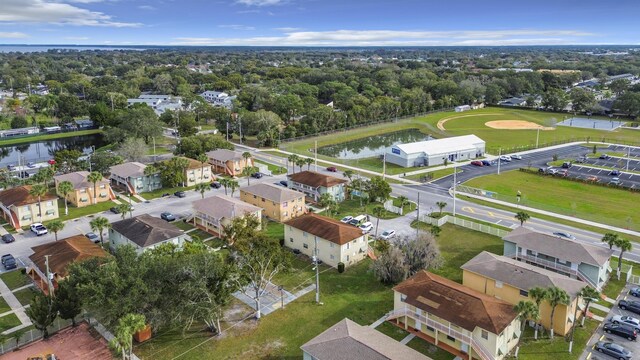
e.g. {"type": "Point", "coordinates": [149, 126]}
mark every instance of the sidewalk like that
{"type": "Point", "coordinates": [15, 305]}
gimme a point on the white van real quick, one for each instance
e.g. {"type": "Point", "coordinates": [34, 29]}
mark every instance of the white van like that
{"type": "Point", "coordinates": [358, 220]}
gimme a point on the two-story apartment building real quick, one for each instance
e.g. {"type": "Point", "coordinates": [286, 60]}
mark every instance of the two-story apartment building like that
{"type": "Point", "coordinates": [21, 209]}
{"type": "Point", "coordinates": [228, 161]}
{"type": "Point", "coordinates": [575, 259]}
{"type": "Point", "coordinates": [457, 319]}
{"type": "Point", "coordinates": [314, 184]}
{"type": "Point", "coordinates": [145, 232]}
{"type": "Point", "coordinates": [213, 213]}
{"type": "Point", "coordinates": [510, 280]}
{"type": "Point", "coordinates": [335, 241]}
{"type": "Point", "coordinates": [131, 176]}
{"type": "Point", "coordinates": [279, 203]}
{"type": "Point", "coordinates": [196, 173]}
{"type": "Point", "coordinates": [83, 190]}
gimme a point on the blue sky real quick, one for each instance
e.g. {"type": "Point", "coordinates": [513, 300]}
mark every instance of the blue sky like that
{"type": "Point", "coordinates": [319, 22]}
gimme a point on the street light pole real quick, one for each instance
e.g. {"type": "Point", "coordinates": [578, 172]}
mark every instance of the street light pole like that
{"type": "Point", "coordinates": [455, 183]}
{"type": "Point", "coordinates": [499, 155]}
{"type": "Point", "coordinates": [315, 262]}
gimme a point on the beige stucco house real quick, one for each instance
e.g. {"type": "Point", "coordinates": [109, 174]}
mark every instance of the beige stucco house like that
{"type": "Point", "coordinates": [279, 203]}
{"type": "Point", "coordinates": [228, 161]}
{"type": "Point", "coordinates": [21, 209]}
{"type": "Point", "coordinates": [83, 191]}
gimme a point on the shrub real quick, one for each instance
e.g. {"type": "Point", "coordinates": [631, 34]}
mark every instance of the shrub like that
{"type": "Point", "coordinates": [340, 267]}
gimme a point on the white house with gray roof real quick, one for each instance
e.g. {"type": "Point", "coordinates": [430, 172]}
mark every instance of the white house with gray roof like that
{"type": "Point", "coordinates": [589, 263]}
{"type": "Point", "coordinates": [436, 152]}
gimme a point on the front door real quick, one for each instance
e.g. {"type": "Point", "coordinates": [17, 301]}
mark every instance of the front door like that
{"type": "Point", "coordinates": [418, 323]}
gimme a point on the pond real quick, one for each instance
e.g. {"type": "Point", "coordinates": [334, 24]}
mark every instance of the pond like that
{"type": "Point", "coordinates": [372, 146]}
{"type": "Point", "coordinates": [44, 150]}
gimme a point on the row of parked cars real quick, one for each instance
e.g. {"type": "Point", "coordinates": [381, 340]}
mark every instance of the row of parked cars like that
{"type": "Point", "coordinates": [503, 158]}
{"type": "Point", "coordinates": [362, 222]}
{"type": "Point", "coordinates": [623, 326]}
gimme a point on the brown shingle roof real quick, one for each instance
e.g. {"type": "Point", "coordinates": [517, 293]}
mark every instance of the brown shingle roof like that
{"type": "Point", "coordinates": [64, 252]}
{"type": "Point", "coordinates": [272, 192]}
{"type": "Point", "coordinates": [558, 247]}
{"type": "Point", "coordinates": [326, 228]}
{"type": "Point", "coordinates": [456, 303]}
{"type": "Point", "coordinates": [347, 340]}
{"type": "Point", "coordinates": [146, 230]}
{"type": "Point", "coordinates": [315, 179]}
{"type": "Point", "coordinates": [19, 196]}
{"type": "Point", "coordinates": [520, 274]}
{"type": "Point", "coordinates": [79, 179]}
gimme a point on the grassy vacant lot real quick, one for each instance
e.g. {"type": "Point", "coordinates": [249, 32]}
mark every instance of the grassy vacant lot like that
{"type": "Point", "coordinates": [9, 321]}
{"type": "Point", "coordinates": [15, 279]}
{"type": "Point", "coordinates": [596, 203]}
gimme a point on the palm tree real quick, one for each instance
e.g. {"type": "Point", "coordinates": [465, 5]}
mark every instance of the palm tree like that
{"type": "Point", "coordinates": [128, 325]}
{"type": "Point", "coordinates": [38, 190]}
{"type": "Point", "coordinates": [64, 188]}
{"type": "Point", "coordinates": [441, 205]}
{"type": "Point", "coordinates": [377, 212]}
{"type": "Point", "coordinates": [348, 174]}
{"type": "Point", "coordinates": [293, 158]}
{"type": "Point", "coordinates": [100, 224]}
{"type": "Point", "coordinates": [203, 158]}
{"type": "Point", "coordinates": [308, 161]}
{"type": "Point", "coordinates": [123, 209]}
{"type": "Point", "coordinates": [538, 294]}
{"type": "Point", "coordinates": [555, 297]}
{"type": "Point", "coordinates": [300, 162]}
{"type": "Point", "coordinates": [225, 183]}
{"type": "Point", "coordinates": [610, 239]}
{"type": "Point", "coordinates": [45, 174]}
{"type": "Point", "coordinates": [624, 245]}
{"type": "Point", "coordinates": [233, 185]}
{"type": "Point", "coordinates": [522, 217]}
{"type": "Point", "coordinates": [247, 171]}
{"type": "Point", "coordinates": [403, 200]}
{"type": "Point", "coordinates": [55, 226]}
{"type": "Point", "coordinates": [526, 310]}
{"type": "Point", "coordinates": [202, 187]}
{"type": "Point", "coordinates": [94, 177]}
{"type": "Point", "coordinates": [246, 155]}
{"type": "Point", "coordinates": [589, 295]}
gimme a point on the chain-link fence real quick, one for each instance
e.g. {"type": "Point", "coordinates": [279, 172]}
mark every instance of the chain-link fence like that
{"type": "Point", "coordinates": [21, 338]}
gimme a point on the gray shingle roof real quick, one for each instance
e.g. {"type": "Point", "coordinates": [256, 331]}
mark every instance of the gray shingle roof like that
{"type": "Point", "coordinates": [224, 155]}
{"type": "Point", "coordinates": [79, 179]}
{"type": "Point", "coordinates": [560, 248]}
{"type": "Point", "coordinates": [128, 169]}
{"type": "Point", "coordinates": [272, 192]}
{"type": "Point", "coordinates": [347, 340]}
{"type": "Point", "coordinates": [146, 230]}
{"type": "Point", "coordinates": [519, 274]}
{"type": "Point", "coordinates": [222, 206]}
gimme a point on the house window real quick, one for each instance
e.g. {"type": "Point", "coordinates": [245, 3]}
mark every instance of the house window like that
{"type": "Point", "coordinates": [103, 195]}
{"type": "Point", "coordinates": [403, 297]}
{"type": "Point", "coordinates": [347, 257]}
{"type": "Point", "coordinates": [305, 246]}
{"type": "Point", "coordinates": [304, 234]}
{"type": "Point", "coordinates": [451, 338]}
{"type": "Point", "coordinates": [290, 239]}
{"type": "Point", "coordinates": [83, 191]}
{"type": "Point", "coordinates": [49, 203]}
{"type": "Point", "coordinates": [26, 217]}
{"type": "Point", "coordinates": [331, 257]}
{"type": "Point", "coordinates": [524, 293]}
{"type": "Point", "coordinates": [50, 212]}
{"type": "Point", "coordinates": [331, 244]}
{"type": "Point", "coordinates": [430, 328]}
{"type": "Point", "coordinates": [285, 204]}
{"type": "Point", "coordinates": [103, 186]}
{"type": "Point", "coordinates": [484, 334]}
{"type": "Point", "coordinates": [26, 208]}
{"type": "Point", "coordinates": [286, 213]}
{"type": "Point", "coordinates": [348, 245]}
{"type": "Point", "coordinates": [499, 284]}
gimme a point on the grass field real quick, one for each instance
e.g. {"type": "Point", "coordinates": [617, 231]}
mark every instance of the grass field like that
{"type": "Point", "coordinates": [590, 202]}
{"type": "Point", "coordinates": [15, 279]}
{"type": "Point", "coordinates": [9, 321]}
{"type": "Point", "coordinates": [25, 295]}
{"type": "Point", "coordinates": [76, 212]}
{"type": "Point", "coordinates": [472, 122]}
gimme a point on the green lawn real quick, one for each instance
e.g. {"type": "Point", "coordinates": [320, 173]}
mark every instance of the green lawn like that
{"type": "Point", "coordinates": [614, 286]}
{"type": "Point", "coordinates": [610, 206]}
{"type": "Point", "coordinates": [200, 234]}
{"type": "Point", "coordinates": [28, 139]}
{"type": "Point", "coordinates": [352, 207]}
{"type": "Point", "coordinates": [25, 295]}
{"type": "Point", "coordinates": [4, 307]}
{"type": "Point", "coordinates": [75, 212]}
{"type": "Point", "coordinates": [183, 225]}
{"type": "Point", "coordinates": [215, 243]}
{"type": "Point", "coordinates": [558, 348]}
{"type": "Point", "coordinates": [274, 230]}
{"type": "Point", "coordinates": [15, 279]}
{"type": "Point", "coordinates": [417, 344]}
{"type": "Point", "coordinates": [275, 170]}
{"type": "Point", "coordinates": [158, 193]}
{"type": "Point", "coordinates": [9, 321]}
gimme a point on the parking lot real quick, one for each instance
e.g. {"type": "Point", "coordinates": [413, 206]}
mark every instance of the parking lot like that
{"type": "Point", "coordinates": [600, 335]}
{"type": "Point", "coordinates": [631, 150]}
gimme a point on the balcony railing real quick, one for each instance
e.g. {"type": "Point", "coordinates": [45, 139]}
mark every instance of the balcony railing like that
{"type": "Point", "coordinates": [545, 263]}
{"type": "Point", "coordinates": [464, 338]}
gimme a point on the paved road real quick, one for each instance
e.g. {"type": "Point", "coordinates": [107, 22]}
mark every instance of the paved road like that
{"type": "Point", "coordinates": [581, 171]}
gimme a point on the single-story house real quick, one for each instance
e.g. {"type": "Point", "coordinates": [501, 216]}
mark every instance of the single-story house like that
{"type": "Point", "coordinates": [145, 232]}
{"type": "Point", "coordinates": [131, 176]}
{"type": "Point", "coordinates": [335, 241]}
{"type": "Point", "coordinates": [228, 162]}
{"type": "Point", "coordinates": [213, 213]}
{"type": "Point", "coordinates": [279, 203]}
{"type": "Point", "coordinates": [436, 152]}
{"type": "Point", "coordinates": [83, 190]}
{"type": "Point", "coordinates": [21, 209]}
{"type": "Point", "coordinates": [314, 184]}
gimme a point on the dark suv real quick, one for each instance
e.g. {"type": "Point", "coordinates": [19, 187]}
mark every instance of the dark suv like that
{"type": "Point", "coordinates": [180, 194]}
{"type": "Point", "coordinates": [8, 238]}
{"type": "Point", "coordinates": [633, 306]}
{"type": "Point", "coordinates": [625, 331]}
{"type": "Point", "coordinates": [9, 262]}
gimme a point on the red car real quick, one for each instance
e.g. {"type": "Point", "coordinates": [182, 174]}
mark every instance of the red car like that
{"type": "Point", "coordinates": [476, 163]}
{"type": "Point", "coordinates": [51, 162]}
{"type": "Point", "coordinates": [332, 169]}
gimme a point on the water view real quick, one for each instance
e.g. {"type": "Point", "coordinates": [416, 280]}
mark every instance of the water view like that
{"type": "Point", "coordinates": [371, 146]}
{"type": "Point", "coordinates": [40, 151]}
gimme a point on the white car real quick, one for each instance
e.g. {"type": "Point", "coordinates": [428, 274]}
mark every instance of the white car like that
{"type": "Point", "coordinates": [366, 227]}
{"type": "Point", "coordinates": [346, 219]}
{"type": "Point", "coordinates": [628, 320]}
{"type": "Point", "coordinates": [516, 157]}
{"type": "Point", "coordinates": [506, 158]}
{"type": "Point", "coordinates": [387, 234]}
{"type": "Point", "coordinates": [38, 229]}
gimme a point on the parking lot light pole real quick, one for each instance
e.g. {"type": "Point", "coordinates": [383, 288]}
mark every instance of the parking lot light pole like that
{"type": "Point", "coordinates": [628, 156]}
{"type": "Point", "coordinates": [455, 183]}
{"type": "Point", "coordinates": [499, 155]}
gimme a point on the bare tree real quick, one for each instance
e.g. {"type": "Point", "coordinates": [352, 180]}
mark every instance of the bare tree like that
{"type": "Point", "coordinates": [390, 268]}
{"type": "Point", "coordinates": [420, 252]}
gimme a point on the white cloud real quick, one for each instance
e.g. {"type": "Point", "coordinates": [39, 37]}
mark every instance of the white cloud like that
{"type": "Point", "coordinates": [146, 7]}
{"type": "Point", "coordinates": [292, 37]}
{"type": "Point", "coordinates": [13, 35]}
{"type": "Point", "coordinates": [287, 29]}
{"type": "Point", "coordinates": [251, 11]}
{"type": "Point", "coordinates": [237, 27]}
{"type": "Point", "coordinates": [76, 38]}
{"type": "Point", "coordinates": [260, 2]}
{"type": "Point", "coordinates": [43, 11]}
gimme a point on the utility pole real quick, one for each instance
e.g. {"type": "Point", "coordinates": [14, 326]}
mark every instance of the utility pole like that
{"type": "Point", "coordinates": [499, 155]}
{"type": "Point", "coordinates": [384, 164]}
{"type": "Point", "coordinates": [316, 154]}
{"type": "Point", "coordinates": [628, 156]}
{"type": "Point", "coordinates": [455, 183]}
{"type": "Point", "coordinates": [315, 262]}
{"type": "Point", "coordinates": [49, 285]}
{"type": "Point", "coordinates": [537, 137]}
{"type": "Point", "coordinates": [154, 148]}
{"type": "Point", "coordinates": [418, 208]}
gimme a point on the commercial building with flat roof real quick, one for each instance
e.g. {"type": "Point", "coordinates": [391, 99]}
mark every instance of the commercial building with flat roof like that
{"type": "Point", "coordinates": [436, 152]}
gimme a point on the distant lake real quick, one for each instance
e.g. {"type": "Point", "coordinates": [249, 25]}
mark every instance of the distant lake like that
{"type": "Point", "coordinates": [372, 146]}
{"type": "Point", "coordinates": [41, 151]}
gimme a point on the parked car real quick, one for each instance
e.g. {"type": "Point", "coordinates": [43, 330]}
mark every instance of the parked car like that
{"type": "Point", "coordinates": [580, 160]}
{"type": "Point", "coordinates": [358, 220]}
{"type": "Point", "coordinates": [592, 178]}
{"type": "Point", "coordinates": [11, 167]}
{"type": "Point", "coordinates": [332, 169]}
{"type": "Point", "coordinates": [38, 229]}
{"type": "Point", "coordinates": [167, 216]}
{"type": "Point", "coordinates": [627, 320]}
{"type": "Point", "coordinates": [387, 234]}
{"type": "Point", "coordinates": [486, 162]}
{"type": "Point", "coordinates": [180, 194]}
{"type": "Point", "coordinates": [567, 165]}
{"type": "Point", "coordinates": [542, 170]}
{"type": "Point", "coordinates": [615, 181]}
{"type": "Point", "coordinates": [346, 219]}
{"type": "Point", "coordinates": [115, 210]}
{"type": "Point", "coordinates": [93, 237]}
{"type": "Point", "coordinates": [506, 158]}
{"type": "Point", "coordinates": [9, 262]}
{"type": "Point", "coordinates": [635, 292]}
{"type": "Point", "coordinates": [614, 350]}
{"type": "Point", "coordinates": [476, 163]}
{"type": "Point", "coordinates": [51, 162]}
{"type": "Point", "coordinates": [552, 171]}
{"type": "Point", "coordinates": [366, 227]}
{"type": "Point", "coordinates": [622, 330]}
{"type": "Point", "coordinates": [631, 305]}
{"type": "Point", "coordinates": [516, 156]}
{"type": "Point", "coordinates": [8, 238]}
{"type": "Point", "coordinates": [31, 165]}
{"type": "Point", "coordinates": [614, 173]}
{"type": "Point", "coordinates": [284, 183]}
{"type": "Point", "coordinates": [564, 235]}
{"type": "Point", "coordinates": [256, 175]}
{"type": "Point", "coordinates": [215, 185]}
{"type": "Point", "coordinates": [604, 157]}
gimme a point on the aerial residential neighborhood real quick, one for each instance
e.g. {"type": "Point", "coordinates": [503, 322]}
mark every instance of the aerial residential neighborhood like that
{"type": "Point", "coordinates": [271, 179]}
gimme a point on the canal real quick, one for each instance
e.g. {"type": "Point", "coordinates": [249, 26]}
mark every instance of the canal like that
{"type": "Point", "coordinates": [372, 146]}
{"type": "Point", "coordinates": [40, 151]}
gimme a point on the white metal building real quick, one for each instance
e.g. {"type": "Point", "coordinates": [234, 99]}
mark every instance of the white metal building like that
{"type": "Point", "coordinates": [434, 152]}
{"type": "Point", "coordinates": [462, 108]}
